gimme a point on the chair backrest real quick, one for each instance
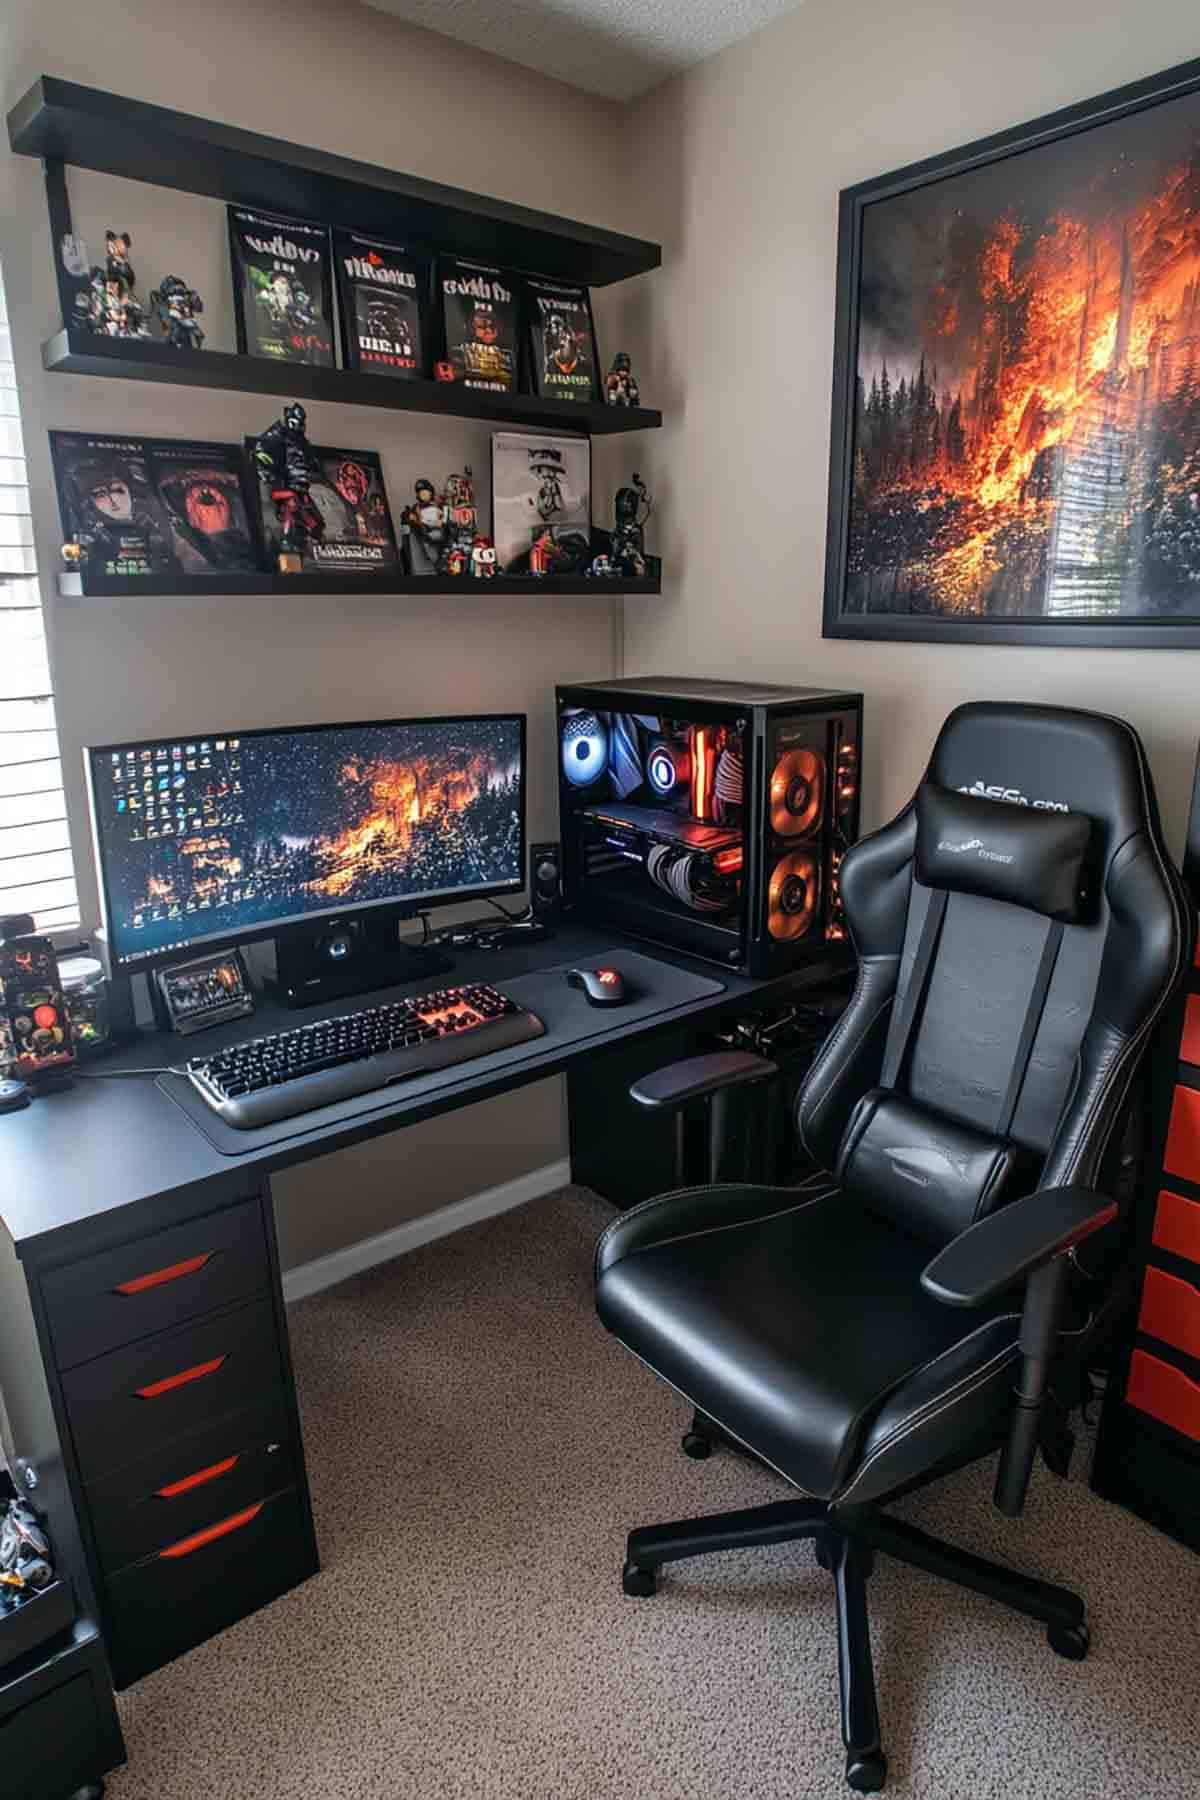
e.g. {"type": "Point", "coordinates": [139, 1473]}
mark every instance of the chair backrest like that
{"type": "Point", "coordinates": [1036, 838]}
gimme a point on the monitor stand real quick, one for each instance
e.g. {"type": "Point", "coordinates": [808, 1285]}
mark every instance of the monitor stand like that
{"type": "Point", "coordinates": [350, 955]}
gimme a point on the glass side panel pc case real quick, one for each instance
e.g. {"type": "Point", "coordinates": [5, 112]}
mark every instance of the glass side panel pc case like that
{"type": "Point", "coordinates": [711, 816]}
{"type": "Point", "coordinates": [219, 837]}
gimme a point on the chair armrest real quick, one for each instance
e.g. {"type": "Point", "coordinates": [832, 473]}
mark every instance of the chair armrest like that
{"type": "Point", "coordinates": [995, 1253]}
{"type": "Point", "coordinates": [698, 1076]}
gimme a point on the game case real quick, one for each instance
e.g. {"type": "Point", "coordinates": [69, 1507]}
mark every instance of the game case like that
{"type": "Point", "coordinates": [203, 489]}
{"type": "Point", "coordinates": [108, 504]}
{"type": "Point", "coordinates": [562, 341]}
{"type": "Point", "coordinates": [479, 320]}
{"type": "Point", "coordinates": [541, 503]}
{"type": "Point", "coordinates": [382, 296]}
{"type": "Point", "coordinates": [351, 499]}
{"type": "Point", "coordinates": [282, 287]}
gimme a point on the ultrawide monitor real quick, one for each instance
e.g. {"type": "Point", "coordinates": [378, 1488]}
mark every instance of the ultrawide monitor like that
{"type": "Point", "coordinates": [221, 836]}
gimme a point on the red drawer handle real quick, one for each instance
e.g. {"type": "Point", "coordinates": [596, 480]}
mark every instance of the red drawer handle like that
{"type": "Point", "coordinates": [168, 1382]}
{"type": "Point", "coordinates": [174, 1488]}
{"type": "Point", "coordinates": [209, 1535]}
{"type": "Point", "coordinates": [140, 1283]}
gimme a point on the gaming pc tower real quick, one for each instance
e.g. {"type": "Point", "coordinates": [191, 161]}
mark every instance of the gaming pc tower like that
{"type": "Point", "coordinates": [711, 816]}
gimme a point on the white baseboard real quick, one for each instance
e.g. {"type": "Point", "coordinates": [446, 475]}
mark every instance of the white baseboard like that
{"type": "Point", "coordinates": [324, 1271]}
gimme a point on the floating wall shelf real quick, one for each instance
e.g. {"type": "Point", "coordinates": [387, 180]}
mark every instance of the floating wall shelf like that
{"type": "Point", "coordinates": [80, 352]}
{"type": "Point", "coordinates": [97, 586]}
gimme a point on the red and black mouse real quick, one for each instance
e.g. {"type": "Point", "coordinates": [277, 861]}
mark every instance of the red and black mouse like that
{"type": "Point", "coordinates": [601, 987]}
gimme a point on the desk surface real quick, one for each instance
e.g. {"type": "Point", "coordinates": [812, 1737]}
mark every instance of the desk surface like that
{"type": "Point", "coordinates": [102, 1145]}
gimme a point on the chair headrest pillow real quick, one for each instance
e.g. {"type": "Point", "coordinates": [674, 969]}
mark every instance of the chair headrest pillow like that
{"type": "Point", "coordinates": [1028, 857]}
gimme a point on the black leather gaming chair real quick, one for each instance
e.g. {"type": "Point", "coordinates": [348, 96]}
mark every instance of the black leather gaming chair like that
{"type": "Point", "coordinates": [937, 1294]}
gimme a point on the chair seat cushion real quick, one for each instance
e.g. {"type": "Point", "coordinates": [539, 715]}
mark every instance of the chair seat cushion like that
{"type": "Point", "coordinates": [797, 1321]}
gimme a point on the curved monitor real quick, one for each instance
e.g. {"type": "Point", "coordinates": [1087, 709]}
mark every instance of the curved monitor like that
{"type": "Point", "coordinates": [204, 838]}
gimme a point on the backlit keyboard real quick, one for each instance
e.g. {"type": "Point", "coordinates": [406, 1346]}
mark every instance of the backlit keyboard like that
{"type": "Point", "coordinates": [289, 1072]}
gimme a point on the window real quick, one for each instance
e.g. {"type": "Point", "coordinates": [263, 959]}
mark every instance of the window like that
{"type": "Point", "coordinates": [36, 872]}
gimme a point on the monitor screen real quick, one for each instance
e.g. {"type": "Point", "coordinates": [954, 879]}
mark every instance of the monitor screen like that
{"type": "Point", "coordinates": [207, 838]}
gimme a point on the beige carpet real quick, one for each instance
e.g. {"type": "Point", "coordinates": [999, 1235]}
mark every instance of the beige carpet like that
{"type": "Point", "coordinates": [478, 1448]}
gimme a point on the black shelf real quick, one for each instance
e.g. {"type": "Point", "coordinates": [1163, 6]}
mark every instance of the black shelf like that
{"type": "Point", "coordinates": [117, 136]}
{"type": "Point", "coordinates": [76, 351]}
{"type": "Point", "coordinates": [97, 586]}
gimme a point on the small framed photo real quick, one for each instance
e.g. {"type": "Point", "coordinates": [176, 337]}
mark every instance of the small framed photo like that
{"type": "Point", "coordinates": [561, 334]}
{"type": "Point", "coordinates": [541, 503]}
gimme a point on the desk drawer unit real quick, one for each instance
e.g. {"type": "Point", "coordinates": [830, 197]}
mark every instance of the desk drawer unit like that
{"type": "Point", "coordinates": [1148, 1451]}
{"type": "Point", "coordinates": [104, 1301]}
{"type": "Point", "coordinates": [134, 1401]}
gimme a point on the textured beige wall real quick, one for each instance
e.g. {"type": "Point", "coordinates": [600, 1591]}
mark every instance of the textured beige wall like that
{"type": "Point", "coordinates": [737, 166]}
{"type": "Point", "coordinates": [360, 84]}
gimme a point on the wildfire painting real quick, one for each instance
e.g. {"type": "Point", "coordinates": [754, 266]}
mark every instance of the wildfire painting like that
{"type": "Point", "coordinates": [1017, 402]}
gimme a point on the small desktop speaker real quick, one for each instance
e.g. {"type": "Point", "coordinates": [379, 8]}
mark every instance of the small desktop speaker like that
{"type": "Point", "coordinates": [545, 882]}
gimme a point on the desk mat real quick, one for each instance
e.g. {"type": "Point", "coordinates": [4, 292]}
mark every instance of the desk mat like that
{"type": "Point", "coordinates": [653, 987]}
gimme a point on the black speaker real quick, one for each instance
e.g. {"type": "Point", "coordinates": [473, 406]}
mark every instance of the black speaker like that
{"type": "Point", "coordinates": [349, 955]}
{"type": "Point", "coordinates": [545, 882]}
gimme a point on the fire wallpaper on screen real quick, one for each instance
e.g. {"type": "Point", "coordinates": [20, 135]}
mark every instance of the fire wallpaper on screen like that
{"type": "Point", "coordinates": [1027, 425]}
{"type": "Point", "coordinates": [280, 826]}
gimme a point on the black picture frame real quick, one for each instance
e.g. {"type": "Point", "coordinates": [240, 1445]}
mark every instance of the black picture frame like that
{"type": "Point", "coordinates": [347, 548]}
{"type": "Point", "coordinates": [1132, 629]}
{"type": "Point", "coordinates": [404, 282]}
{"type": "Point", "coordinates": [295, 251]}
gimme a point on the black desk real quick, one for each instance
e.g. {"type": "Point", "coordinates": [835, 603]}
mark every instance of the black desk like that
{"type": "Point", "coordinates": [143, 1341]}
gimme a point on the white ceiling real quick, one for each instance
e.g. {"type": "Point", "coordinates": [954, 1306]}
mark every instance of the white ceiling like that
{"type": "Point", "coordinates": [618, 48]}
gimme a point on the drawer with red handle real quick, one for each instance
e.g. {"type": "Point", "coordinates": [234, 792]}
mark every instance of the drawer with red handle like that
{"type": "Point", "coordinates": [1177, 1225]}
{"type": "Point", "coordinates": [1182, 1155]}
{"type": "Point", "coordinates": [125, 1405]}
{"type": "Point", "coordinates": [1165, 1392]}
{"type": "Point", "coordinates": [194, 1480]}
{"type": "Point", "coordinates": [1170, 1310]}
{"type": "Point", "coordinates": [200, 1583]}
{"type": "Point", "coordinates": [104, 1301]}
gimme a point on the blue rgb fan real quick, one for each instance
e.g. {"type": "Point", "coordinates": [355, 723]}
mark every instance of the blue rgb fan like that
{"type": "Point", "coordinates": [667, 766]}
{"type": "Point", "coordinates": [584, 749]}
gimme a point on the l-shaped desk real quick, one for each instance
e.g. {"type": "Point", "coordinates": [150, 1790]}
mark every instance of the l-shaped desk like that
{"type": "Point", "coordinates": [144, 1353]}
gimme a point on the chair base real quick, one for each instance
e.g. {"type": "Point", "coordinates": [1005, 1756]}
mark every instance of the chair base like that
{"type": "Point", "coordinates": [846, 1547]}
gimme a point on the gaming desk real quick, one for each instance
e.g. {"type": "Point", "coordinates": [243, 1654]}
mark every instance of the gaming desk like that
{"type": "Point", "coordinates": [143, 1337]}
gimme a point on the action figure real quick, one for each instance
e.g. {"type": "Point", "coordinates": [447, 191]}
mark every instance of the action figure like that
{"type": "Point", "coordinates": [463, 518]}
{"type": "Point", "coordinates": [24, 1551]}
{"type": "Point", "coordinates": [602, 567]}
{"type": "Point", "coordinates": [483, 559]}
{"type": "Point", "coordinates": [543, 554]}
{"type": "Point", "coordinates": [458, 559]}
{"type": "Point", "coordinates": [620, 384]}
{"type": "Point", "coordinates": [175, 305]}
{"type": "Point", "coordinates": [632, 508]}
{"type": "Point", "coordinates": [113, 308]}
{"type": "Point", "coordinates": [426, 529]}
{"type": "Point", "coordinates": [287, 466]}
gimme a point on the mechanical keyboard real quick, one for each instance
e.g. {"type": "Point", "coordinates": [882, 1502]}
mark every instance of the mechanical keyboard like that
{"type": "Point", "coordinates": [289, 1072]}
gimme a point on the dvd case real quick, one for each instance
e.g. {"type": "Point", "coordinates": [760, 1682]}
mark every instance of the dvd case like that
{"type": "Point", "coordinates": [383, 293]}
{"type": "Point", "coordinates": [562, 341]}
{"type": "Point", "coordinates": [479, 320]}
{"type": "Point", "coordinates": [348, 491]}
{"type": "Point", "coordinates": [204, 492]}
{"type": "Point", "coordinates": [282, 287]}
{"type": "Point", "coordinates": [108, 503]}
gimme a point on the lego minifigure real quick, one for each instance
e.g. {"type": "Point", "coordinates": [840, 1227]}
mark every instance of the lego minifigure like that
{"type": "Point", "coordinates": [620, 384]}
{"type": "Point", "coordinates": [175, 305]}
{"type": "Point", "coordinates": [483, 559]}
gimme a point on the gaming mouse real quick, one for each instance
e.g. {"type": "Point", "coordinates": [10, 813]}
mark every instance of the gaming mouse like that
{"type": "Point", "coordinates": [601, 987]}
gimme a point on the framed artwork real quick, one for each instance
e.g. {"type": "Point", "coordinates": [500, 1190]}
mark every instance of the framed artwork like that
{"type": "Point", "coordinates": [1016, 398]}
{"type": "Point", "coordinates": [541, 503]}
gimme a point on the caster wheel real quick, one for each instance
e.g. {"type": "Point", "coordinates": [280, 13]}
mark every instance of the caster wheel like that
{"type": "Point", "coordinates": [866, 1770]}
{"type": "Point", "coordinates": [639, 1583]}
{"type": "Point", "coordinates": [823, 1554]}
{"type": "Point", "coordinates": [1071, 1641]}
{"type": "Point", "coordinates": [695, 1445]}
{"type": "Point", "coordinates": [93, 1791]}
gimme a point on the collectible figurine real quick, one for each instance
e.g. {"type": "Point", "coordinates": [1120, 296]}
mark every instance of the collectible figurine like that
{"type": "Point", "coordinates": [463, 519]}
{"type": "Point", "coordinates": [632, 508]}
{"type": "Point", "coordinates": [287, 465]}
{"type": "Point", "coordinates": [175, 305]}
{"type": "Point", "coordinates": [426, 529]}
{"type": "Point", "coordinates": [458, 559]}
{"type": "Point", "coordinates": [443, 371]}
{"type": "Point", "coordinates": [543, 554]}
{"type": "Point", "coordinates": [602, 567]}
{"type": "Point", "coordinates": [620, 384]}
{"type": "Point", "coordinates": [113, 308]}
{"type": "Point", "coordinates": [483, 559]}
{"type": "Point", "coordinates": [24, 1552]}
